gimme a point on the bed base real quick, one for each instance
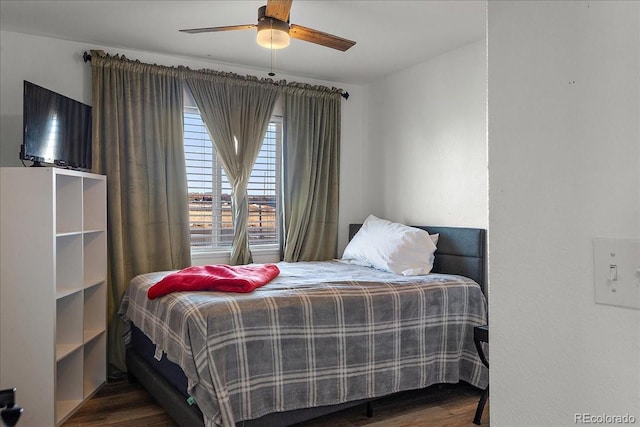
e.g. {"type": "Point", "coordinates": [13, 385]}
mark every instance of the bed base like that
{"type": "Point", "coordinates": [138, 370]}
{"type": "Point", "coordinates": [186, 415]}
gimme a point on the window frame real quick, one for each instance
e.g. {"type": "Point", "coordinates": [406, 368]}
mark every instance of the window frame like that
{"type": "Point", "coordinates": [216, 247]}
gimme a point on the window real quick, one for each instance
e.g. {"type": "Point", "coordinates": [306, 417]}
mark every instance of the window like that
{"type": "Point", "coordinates": [210, 192]}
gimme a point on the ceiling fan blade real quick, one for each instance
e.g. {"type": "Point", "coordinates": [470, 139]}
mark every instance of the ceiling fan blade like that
{"type": "Point", "coordinates": [279, 9]}
{"type": "Point", "coordinates": [318, 37]}
{"type": "Point", "coordinates": [216, 29]}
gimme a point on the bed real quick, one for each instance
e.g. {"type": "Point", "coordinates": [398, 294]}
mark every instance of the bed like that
{"type": "Point", "coordinates": [305, 344]}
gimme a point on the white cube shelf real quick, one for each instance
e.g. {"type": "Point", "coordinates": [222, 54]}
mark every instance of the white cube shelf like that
{"type": "Point", "coordinates": [53, 298]}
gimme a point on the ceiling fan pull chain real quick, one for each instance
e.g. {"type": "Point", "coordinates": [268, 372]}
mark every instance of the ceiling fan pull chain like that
{"type": "Point", "coordinates": [271, 73]}
{"type": "Point", "coordinates": [273, 51]}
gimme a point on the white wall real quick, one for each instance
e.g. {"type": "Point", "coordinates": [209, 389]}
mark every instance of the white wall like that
{"type": "Point", "coordinates": [426, 153]}
{"type": "Point", "coordinates": [58, 65]}
{"type": "Point", "coordinates": [564, 167]}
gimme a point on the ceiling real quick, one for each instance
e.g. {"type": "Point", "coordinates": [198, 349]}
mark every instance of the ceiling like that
{"type": "Point", "coordinates": [390, 35]}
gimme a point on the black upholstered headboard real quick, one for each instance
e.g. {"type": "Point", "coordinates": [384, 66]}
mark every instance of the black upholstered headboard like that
{"type": "Point", "coordinates": [460, 251]}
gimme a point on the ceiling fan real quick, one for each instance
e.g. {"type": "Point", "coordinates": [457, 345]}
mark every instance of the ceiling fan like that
{"type": "Point", "coordinates": [274, 30]}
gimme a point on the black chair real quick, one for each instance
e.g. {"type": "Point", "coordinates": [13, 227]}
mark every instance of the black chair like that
{"type": "Point", "coordinates": [480, 335]}
{"type": "Point", "coordinates": [9, 412]}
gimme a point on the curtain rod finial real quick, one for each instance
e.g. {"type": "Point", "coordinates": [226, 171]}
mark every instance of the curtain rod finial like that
{"type": "Point", "coordinates": [345, 95]}
{"type": "Point", "coordinates": [86, 56]}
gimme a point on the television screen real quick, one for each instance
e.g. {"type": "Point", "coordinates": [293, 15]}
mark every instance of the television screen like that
{"type": "Point", "coordinates": [57, 129]}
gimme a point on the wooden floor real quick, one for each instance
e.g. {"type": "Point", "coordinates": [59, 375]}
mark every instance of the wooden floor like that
{"type": "Point", "coordinates": [124, 404]}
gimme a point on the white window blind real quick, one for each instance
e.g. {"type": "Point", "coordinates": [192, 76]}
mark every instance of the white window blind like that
{"type": "Point", "coordinates": [210, 193]}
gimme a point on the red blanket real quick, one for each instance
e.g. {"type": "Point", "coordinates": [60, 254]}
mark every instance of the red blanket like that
{"type": "Point", "coordinates": [224, 278]}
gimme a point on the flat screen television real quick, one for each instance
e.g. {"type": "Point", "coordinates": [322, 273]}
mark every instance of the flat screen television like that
{"type": "Point", "coordinates": [57, 129]}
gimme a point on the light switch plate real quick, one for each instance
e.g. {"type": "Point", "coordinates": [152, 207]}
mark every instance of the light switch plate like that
{"type": "Point", "coordinates": [616, 266]}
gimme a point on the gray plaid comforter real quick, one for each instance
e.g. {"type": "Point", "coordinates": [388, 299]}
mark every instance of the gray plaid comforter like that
{"type": "Point", "coordinates": [321, 333]}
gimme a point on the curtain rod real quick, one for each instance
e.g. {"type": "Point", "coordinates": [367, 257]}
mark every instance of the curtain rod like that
{"type": "Point", "coordinates": [86, 57]}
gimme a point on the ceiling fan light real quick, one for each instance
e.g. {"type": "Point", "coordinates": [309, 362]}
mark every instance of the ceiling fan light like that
{"type": "Point", "coordinates": [273, 34]}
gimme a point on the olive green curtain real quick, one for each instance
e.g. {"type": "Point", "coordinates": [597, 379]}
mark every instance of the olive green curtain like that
{"type": "Point", "coordinates": [138, 145]}
{"type": "Point", "coordinates": [311, 173]}
{"type": "Point", "coordinates": [237, 114]}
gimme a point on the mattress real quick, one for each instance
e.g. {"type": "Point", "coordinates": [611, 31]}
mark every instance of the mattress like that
{"type": "Point", "coordinates": [321, 333]}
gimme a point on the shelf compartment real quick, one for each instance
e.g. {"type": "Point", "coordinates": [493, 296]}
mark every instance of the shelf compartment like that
{"type": "Point", "coordinates": [68, 265]}
{"type": "Point", "coordinates": [69, 328]}
{"type": "Point", "coordinates": [68, 203]}
{"type": "Point", "coordinates": [95, 311]}
{"type": "Point", "coordinates": [95, 257]}
{"type": "Point", "coordinates": [69, 385]}
{"type": "Point", "coordinates": [94, 204]}
{"type": "Point", "coordinates": [95, 362]}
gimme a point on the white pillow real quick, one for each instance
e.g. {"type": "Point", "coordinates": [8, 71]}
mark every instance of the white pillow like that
{"type": "Point", "coordinates": [392, 247]}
